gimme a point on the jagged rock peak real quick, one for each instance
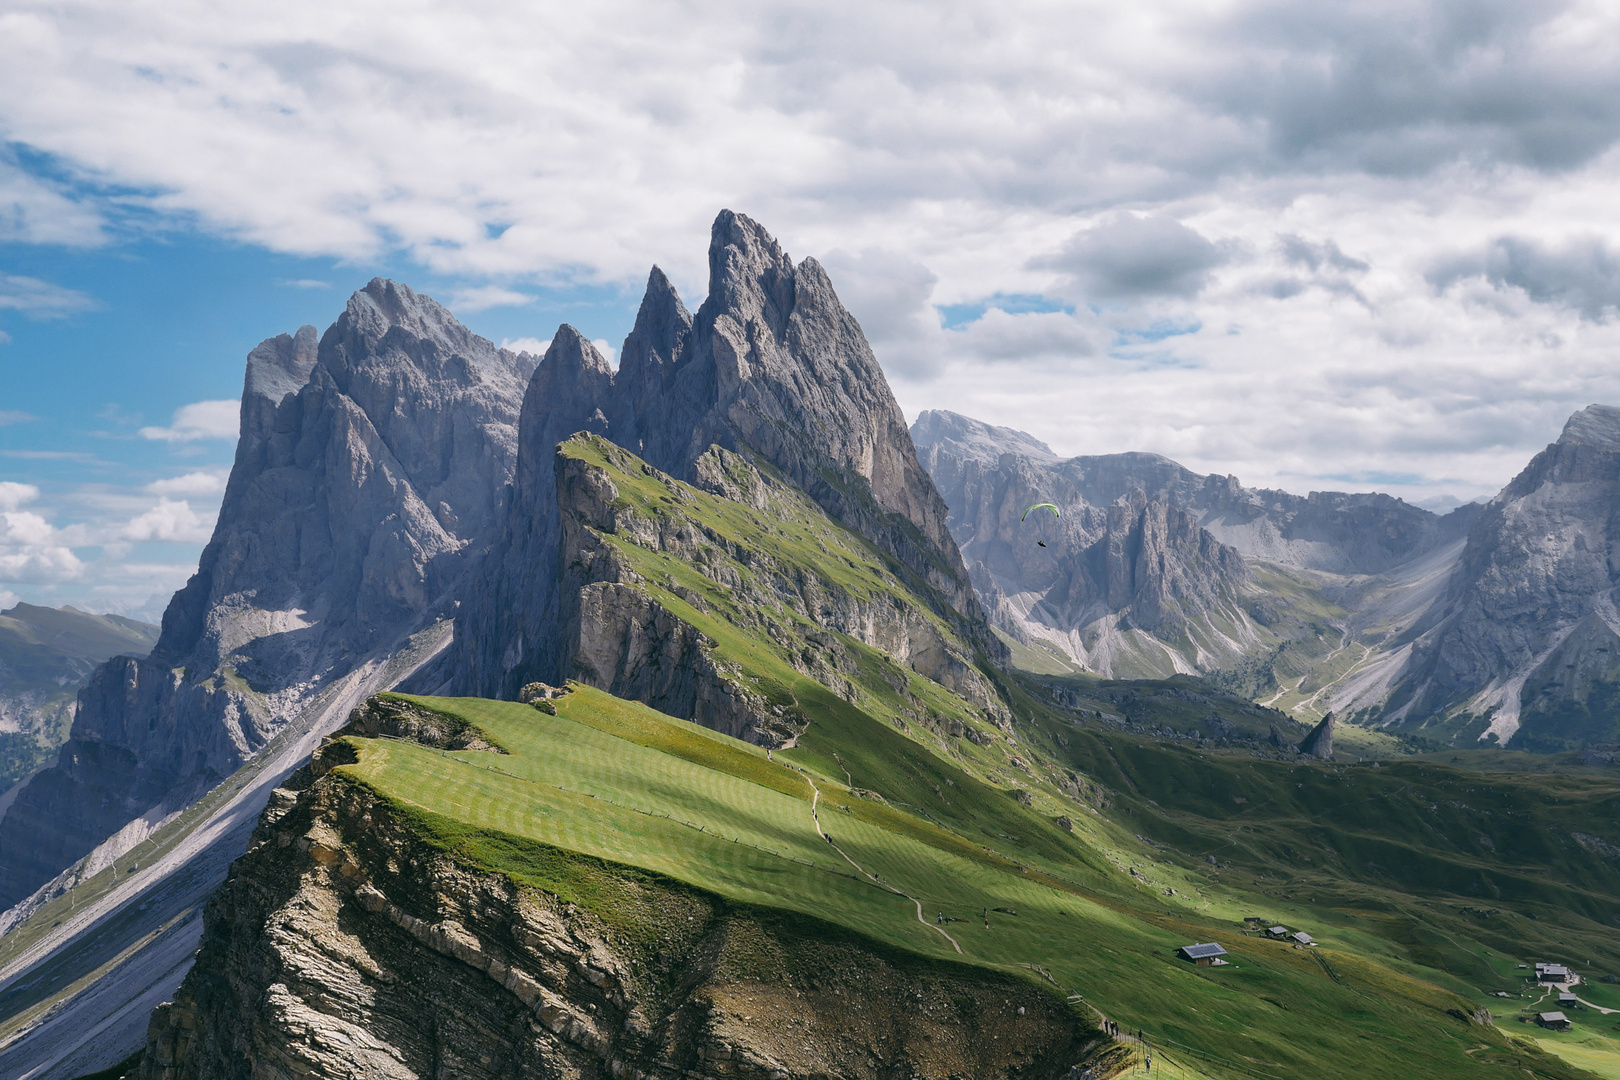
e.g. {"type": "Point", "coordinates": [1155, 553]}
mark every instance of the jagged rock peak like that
{"type": "Point", "coordinates": [1319, 743]}
{"type": "Point", "coordinates": [657, 342]}
{"type": "Point", "coordinates": [974, 439]}
{"type": "Point", "coordinates": [571, 352]}
{"type": "Point", "coordinates": [281, 365]}
{"type": "Point", "coordinates": [747, 269]}
{"type": "Point", "coordinates": [1595, 425]}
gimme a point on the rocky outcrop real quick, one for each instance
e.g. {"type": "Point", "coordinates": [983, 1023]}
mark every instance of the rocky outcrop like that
{"type": "Point", "coordinates": [371, 470]}
{"type": "Point", "coordinates": [1526, 639]}
{"type": "Point", "coordinates": [1319, 743]}
{"type": "Point", "coordinates": [771, 364]}
{"type": "Point", "coordinates": [345, 945]}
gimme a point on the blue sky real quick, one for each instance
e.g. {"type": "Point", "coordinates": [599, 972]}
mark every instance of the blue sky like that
{"type": "Point", "coordinates": [1363, 245]}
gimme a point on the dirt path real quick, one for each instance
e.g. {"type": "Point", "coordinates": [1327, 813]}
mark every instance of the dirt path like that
{"type": "Point", "coordinates": [815, 817]}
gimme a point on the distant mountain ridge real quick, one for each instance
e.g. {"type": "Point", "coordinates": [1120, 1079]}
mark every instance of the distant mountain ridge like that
{"type": "Point", "coordinates": [45, 656]}
{"type": "Point", "coordinates": [1496, 623]}
{"type": "Point", "coordinates": [1149, 572]}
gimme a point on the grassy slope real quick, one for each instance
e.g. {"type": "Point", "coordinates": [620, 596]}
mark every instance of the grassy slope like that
{"type": "Point", "coordinates": [617, 781]}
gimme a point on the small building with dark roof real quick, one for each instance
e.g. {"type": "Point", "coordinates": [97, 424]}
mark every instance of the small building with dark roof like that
{"type": "Point", "coordinates": [1552, 973]}
{"type": "Point", "coordinates": [1555, 1021]}
{"type": "Point", "coordinates": [1568, 1001]}
{"type": "Point", "coordinates": [1206, 955]}
{"type": "Point", "coordinates": [1303, 938]}
{"type": "Point", "coordinates": [1277, 931]}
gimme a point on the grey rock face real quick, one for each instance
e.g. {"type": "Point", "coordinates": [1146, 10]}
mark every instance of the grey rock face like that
{"type": "Point", "coordinates": [371, 470]}
{"type": "Point", "coordinates": [507, 635]}
{"type": "Point", "coordinates": [1526, 633]}
{"type": "Point", "coordinates": [772, 363]}
{"type": "Point", "coordinates": [1319, 743]}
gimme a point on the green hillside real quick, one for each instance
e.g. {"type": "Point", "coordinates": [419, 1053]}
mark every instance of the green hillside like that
{"type": "Point", "coordinates": [620, 782]}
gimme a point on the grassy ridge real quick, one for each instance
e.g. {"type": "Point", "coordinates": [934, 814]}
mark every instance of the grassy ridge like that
{"type": "Point", "coordinates": [618, 782]}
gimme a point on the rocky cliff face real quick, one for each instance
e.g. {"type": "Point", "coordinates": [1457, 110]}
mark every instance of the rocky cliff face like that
{"type": "Point", "coordinates": [345, 945]}
{"type": "Point", "coordinates": [771, 364]}
{"type": "Point", "coordinates": [371, 470]}
{"type": "Point", "coordinates": [1526, 638]}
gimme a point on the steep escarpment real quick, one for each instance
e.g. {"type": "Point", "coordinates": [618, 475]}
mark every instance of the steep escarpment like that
{"type": "Point", "coordinates": [1524, 645]}
{"type": "Point", "coordinates": [771, 364]}
{"type": "Point", "coordinates": [352, 939]}
{"type": "Point", "coordinates": [369, 475]}
{"type": "Point", "coordinates": [654, 571]}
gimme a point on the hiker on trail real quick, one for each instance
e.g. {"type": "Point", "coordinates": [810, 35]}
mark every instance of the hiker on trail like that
{"type": "Point", "coordinates": [828, 836]}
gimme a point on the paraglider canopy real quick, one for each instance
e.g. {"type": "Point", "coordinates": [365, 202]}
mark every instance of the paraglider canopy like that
{"type": "Point", "coordinates": [1043, 506]}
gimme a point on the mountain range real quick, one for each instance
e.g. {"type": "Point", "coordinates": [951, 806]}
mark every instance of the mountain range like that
{"type": "Point", "coordinates": [1490, 623]}
{"type": "Point", "coordinates": [736, 531]}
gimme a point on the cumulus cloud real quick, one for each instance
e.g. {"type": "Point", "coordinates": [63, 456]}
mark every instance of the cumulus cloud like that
{"type": "Point", "coordinates": [13, 494]}
{"type": "Point", "coordinates": [31, 550]}
{"type": "Point", "coordinates": [199, 420]}
{"type": "Point", "coordinates": [192, 483]}
{"type": "Point", "coordinates": [170, 520]}
{"type": "Point", "coordinates": [531, 345]}
{"type": "Point", "coordinates": [1582, 274]}
{"type": "Point", "coordinates": [1128, 257]}
{"type": "Point", "coordinates": [39, 299]}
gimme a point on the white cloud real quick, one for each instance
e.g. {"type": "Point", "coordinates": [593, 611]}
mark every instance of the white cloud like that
{"type": "Point", "coordinates": [609, 352]}
{"type": "Point", "coordinates": [484, 297]}
{"type": "Point", "coordinates": [532, 345]}
{"type": "Point", "coordinates": [169, 520]}
{"type": "Point", "coordinates": [303, 283]}
{"type": "Point", "coordinates": [39, 299]}
{"type": "Point", "coordinates": [1302, 169]}
{"type": "Point", "coordinates": [13, 494]}
{"type": "Point", "coordinates": [199, 420]}
{"type": "Point", "coordinates": [31, 550]}
{"type": "Point", "coordinates": [192, 483]}
{"type": "Point", "coordinates": [8, 599]}
{"type": "Point", "coordinates": [14, 416]}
